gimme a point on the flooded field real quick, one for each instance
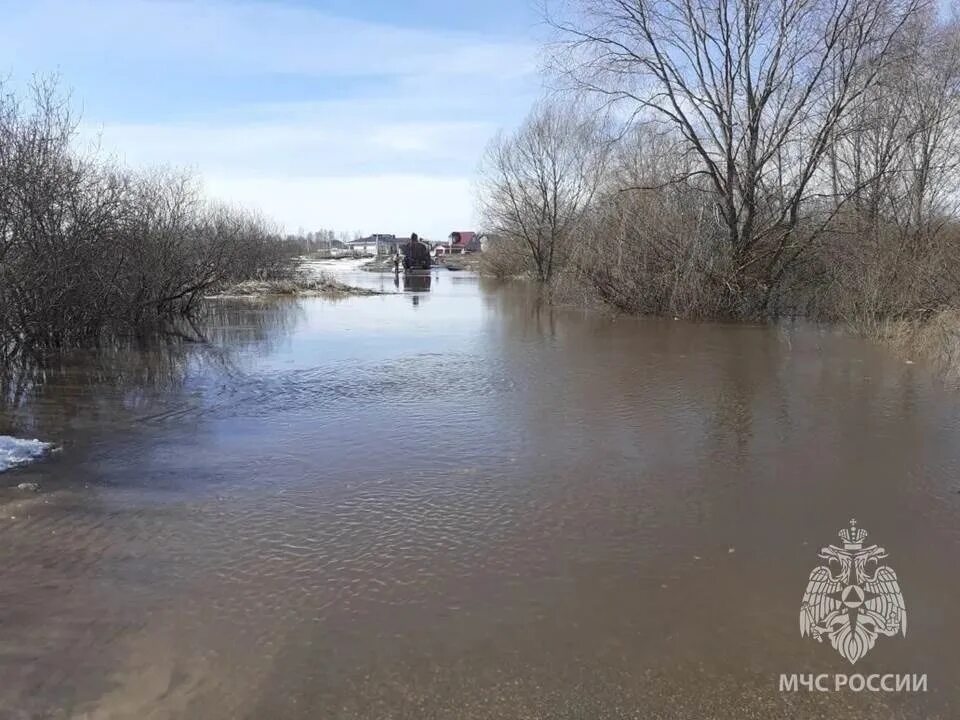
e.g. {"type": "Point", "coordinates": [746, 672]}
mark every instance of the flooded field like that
{"type": "Point", "coordinates": [453, 501]}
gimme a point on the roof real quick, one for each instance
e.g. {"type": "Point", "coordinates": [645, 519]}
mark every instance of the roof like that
{"type": "Point", "coordinates": [460, 238]}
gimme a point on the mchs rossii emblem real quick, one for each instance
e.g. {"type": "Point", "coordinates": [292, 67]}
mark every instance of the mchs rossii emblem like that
{"type": "Point", "coordinates": [853, 598]}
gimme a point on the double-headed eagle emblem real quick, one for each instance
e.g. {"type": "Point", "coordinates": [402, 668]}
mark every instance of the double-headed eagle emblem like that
{"type": "Point", "coordinates": [853, 598]}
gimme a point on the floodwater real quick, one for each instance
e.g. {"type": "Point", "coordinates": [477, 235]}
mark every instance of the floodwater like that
{"type": "Point", "coordinates": [457, 502]}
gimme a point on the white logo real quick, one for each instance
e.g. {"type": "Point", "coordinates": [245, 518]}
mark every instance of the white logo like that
{"type": "Point", "coordinates": [853, 599]}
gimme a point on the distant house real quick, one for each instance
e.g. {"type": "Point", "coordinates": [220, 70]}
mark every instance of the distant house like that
{"type": "Point", "coordinates": [378, 244]}
{"type": "Point", "coordinates": [462, 241]}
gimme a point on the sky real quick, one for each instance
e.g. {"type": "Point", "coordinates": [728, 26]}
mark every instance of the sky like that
{"type": "Point", "coordinates": [369, 115]}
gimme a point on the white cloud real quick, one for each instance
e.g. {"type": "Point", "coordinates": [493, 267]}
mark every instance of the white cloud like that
{"type": "Point", "coordinates": [389, 203]}
{"type": "Point", "coordinates": [351, 145]}
{"type": "Point", "coordinates": [359, 175]}
{"type": "Point", "coordinates": [317, 120]}
{"type": "Point", "coordinates": [248, 38]}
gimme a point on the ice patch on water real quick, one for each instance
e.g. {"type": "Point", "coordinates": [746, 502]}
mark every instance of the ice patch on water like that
{"type": "Point", "coordinates": [18, 451]}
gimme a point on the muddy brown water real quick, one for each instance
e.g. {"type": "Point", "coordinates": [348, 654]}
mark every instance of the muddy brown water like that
{"type": "Point", "coordinates": [453, 501]}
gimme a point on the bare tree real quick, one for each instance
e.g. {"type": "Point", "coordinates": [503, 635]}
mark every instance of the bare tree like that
{"type": "Point", "coordinates": [652, 249]}
{"type": "Point", "coordinates": [537, 183]}
{"type": "Point", "coordinates": [755, 88]}
{"type": "Point", "coordinates": [87, 248]}
{"type": "Point", "coordinates": [896, 149]}
{"type": "Point", "coordinates": [896, 155]}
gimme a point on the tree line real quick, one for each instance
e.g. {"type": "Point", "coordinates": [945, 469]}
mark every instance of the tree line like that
{"type": "Point", "coordinates": [740, 159]}
{"type": "Point", "coordinates": [89, 248]}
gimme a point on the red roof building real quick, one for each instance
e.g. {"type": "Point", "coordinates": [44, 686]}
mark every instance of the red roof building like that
{"type": "Point", "coordinates": [464, 241]}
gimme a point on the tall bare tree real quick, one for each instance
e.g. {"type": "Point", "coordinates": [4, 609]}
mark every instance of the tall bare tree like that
{"type": "Point", "coordinates": [756, 89]}
{"type": "Point", "coordinates": [896, 156]}
{"type": "Point", "coordinates": [537, 183]}
{"type": "Point", "coordinates": [898, 153]}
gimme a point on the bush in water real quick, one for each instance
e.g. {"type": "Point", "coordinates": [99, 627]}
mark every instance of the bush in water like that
{"type": "Point", "coordinates": [87, 248]}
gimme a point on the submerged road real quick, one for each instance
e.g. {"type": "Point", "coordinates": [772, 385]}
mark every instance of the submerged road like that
{"type": "Point", "coordinates": [453, 501]}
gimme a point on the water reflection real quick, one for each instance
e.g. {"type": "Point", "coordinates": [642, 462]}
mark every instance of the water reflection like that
{"type": "Point", "coordinates": [43, 393]}
{"type": "Point", "coordinates": [489, 507]}
{"type": "Point", "coordinates": [416, 283]}
{"type": "Point", "coordinates": [413, 282]}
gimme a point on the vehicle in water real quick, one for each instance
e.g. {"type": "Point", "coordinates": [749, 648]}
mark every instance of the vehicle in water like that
{"type": "Point", "coordinates": [415, 255]}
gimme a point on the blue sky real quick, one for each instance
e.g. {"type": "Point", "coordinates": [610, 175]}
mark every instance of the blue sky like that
{"type": "Point", "coordinates": [364, 116]}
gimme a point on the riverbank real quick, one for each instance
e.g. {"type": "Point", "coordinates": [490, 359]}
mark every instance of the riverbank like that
{"type": "Point", "coordinates": [300, 286]}
{"type": "Point", "coordinates": [934, 340]}
{"type": "Point", "coordinates": [471, 262]}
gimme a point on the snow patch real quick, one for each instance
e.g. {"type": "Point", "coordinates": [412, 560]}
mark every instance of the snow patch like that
{"type": "Point", "coordinates": [18, 451]}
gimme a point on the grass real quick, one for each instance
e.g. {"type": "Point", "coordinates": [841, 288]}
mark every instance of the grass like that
{"type": "Point", "coordinates": [935, 340]}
